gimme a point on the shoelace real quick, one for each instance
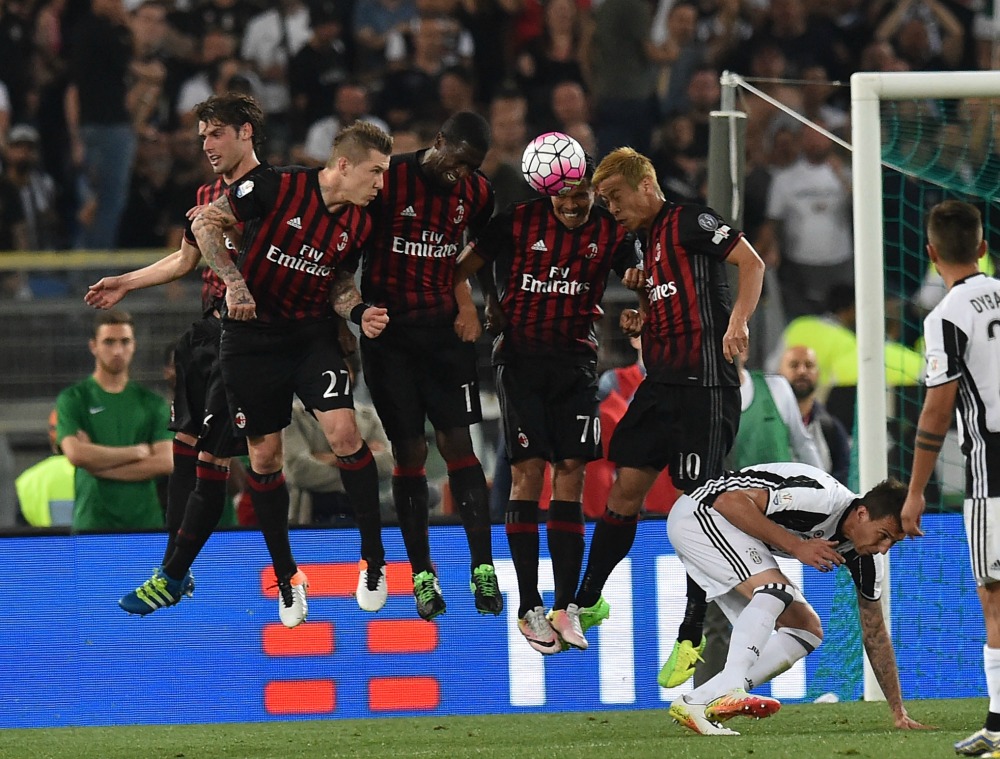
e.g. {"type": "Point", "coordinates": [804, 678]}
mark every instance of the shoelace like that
{"type": "Point", "coordinates": [425, 591]}
{"type": "Point", "coordinates": [285, 589]}
{"type": "Point", "coordinates": [538, 625]}
{"type": "Point", "coordinates": [373, 577]}
{"type": "Point", "coordinates": [486, 583]}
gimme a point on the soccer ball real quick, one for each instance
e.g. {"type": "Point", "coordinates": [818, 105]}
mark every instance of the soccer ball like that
{"type": "Point", "coordinates": [553, 163]}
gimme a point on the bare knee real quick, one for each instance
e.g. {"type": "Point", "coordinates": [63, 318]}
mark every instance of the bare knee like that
{"type": "Point", "coordinates": [216, 460]}
{"type": "Point", "coordinates": [567, 480]}
{"type": "Point", "coordinates": [266, 455]}
{"type": "Point", "coordinates": [802, 616]}
{"type": "Point", "coordinates": [630, 489]}
{"type": "Point", "coordinates": [410, 453]}
{"type": "Point", "coordinates": [527, 478]}
{"type": "Point", "coordinates": [454, 444]}
{"type": "Point", "coordinates": [186, 439]}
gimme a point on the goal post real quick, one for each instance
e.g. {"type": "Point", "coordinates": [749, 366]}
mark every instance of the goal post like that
{"type": "Point", "coordinates": [868, 91]}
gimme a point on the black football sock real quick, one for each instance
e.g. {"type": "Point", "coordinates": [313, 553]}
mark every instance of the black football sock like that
{"type": "Point", "coordinates": [269, 498]}
{"type": "Point", "coordinates": [472, 499]}
{"type": "Point", "coordinates": [611, 542]}
{"type": "Point", "coordinates": [564, 531]}
{"type": "Point", "coordinates": [180, 485]}
{"type": "Point", "coordinates": [360, 477]}
{"type": "Point", "coordinates": [201, 517]}
{"type": "Point", "coordinates": [694, 613]}
{"type": "Point", "coordinates": [409, 496]}
{"type": "Point", "coordinates": [992, 722]}
{"type": "Point", "coordinates": [521, 526]}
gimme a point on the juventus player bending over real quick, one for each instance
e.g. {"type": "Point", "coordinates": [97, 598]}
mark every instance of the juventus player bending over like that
{"type": "Point", "coordinates": [963, 367]}
{"type": "Point", "coordinates": [727, 534]}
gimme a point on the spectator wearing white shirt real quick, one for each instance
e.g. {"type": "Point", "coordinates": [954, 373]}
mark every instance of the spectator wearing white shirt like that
{"type": "Point", "coordinates": [270, 41]}
{"type": "Point", "coordinates": [808, 229]}
{"type": "Point", "coordinates": [350, 104]}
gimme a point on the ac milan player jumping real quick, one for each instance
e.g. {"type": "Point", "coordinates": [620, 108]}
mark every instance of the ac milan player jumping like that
{"type": "Point", "coordinates": [550, 258]}
{"type": "Point", "coordinates": [423, 366]}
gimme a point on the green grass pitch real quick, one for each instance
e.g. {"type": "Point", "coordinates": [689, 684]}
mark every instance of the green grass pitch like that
{"type": "Point", "coordinates": [854, 729]}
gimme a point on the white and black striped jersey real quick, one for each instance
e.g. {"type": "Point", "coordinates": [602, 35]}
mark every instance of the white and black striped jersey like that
{"type": "Point", "coordinates": [807, 502]}
{"type": "Point", "coordinates": [962, 338]}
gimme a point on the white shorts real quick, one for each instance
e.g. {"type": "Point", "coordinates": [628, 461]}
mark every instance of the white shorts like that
{"type": "Point", "coordinates": [982, 530]}
{"type": "Point", "coordinates": [715, 554]}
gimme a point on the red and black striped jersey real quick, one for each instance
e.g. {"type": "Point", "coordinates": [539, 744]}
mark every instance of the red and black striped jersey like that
{"type": "Point", "coordinates": [419, 228]}
{"type": "Point", "coordinates": [213, 289]}
{"type": "Point", "coordinates": [292, 244]}
{"type": "Point", "coordinates": [551, 279]}
{"type": "Point", "coordinates": [689, 297]}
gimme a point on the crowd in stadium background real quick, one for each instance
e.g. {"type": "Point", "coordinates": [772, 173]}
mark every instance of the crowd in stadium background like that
{"type": "Point", "coordinates": [99, 145]}
{"type": "Point", "coordinates": [612, 73]}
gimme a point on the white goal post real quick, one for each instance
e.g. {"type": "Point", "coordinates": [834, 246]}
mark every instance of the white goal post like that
{"type": "Point", "coordinates": [867, 92]}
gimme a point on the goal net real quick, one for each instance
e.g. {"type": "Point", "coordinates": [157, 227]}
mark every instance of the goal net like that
{"type": "Point", "coordinates": [917, 138]}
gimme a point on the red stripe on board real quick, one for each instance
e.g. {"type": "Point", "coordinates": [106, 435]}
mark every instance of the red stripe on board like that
{"type": "Point", "coordinates": [387, 694]}
{"type": "Point", "coordinates": [401, 636]}
{"type": "Point", "coordinates": [340, 579]}
{"type": "Point", "coordinates": [314, 639]}
{"type": "Point", "coordinates": [300, 697]}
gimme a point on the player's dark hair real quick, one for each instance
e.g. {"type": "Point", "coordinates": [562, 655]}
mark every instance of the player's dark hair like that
{"type": "Point", "coordinates": [886, 500]}
{"type": "Point", "coordinates": [466, 126]}
{"type": "Point", "coordinates": [591, 165]}
{"type": "Point", "coordinates": [955, 229]}
{"type": "Point", "coordinates": [111, 316]}
{"type": "Point", "coordinates": [356, 141]}
{"type": "Point", "coordinates": [233, 109]}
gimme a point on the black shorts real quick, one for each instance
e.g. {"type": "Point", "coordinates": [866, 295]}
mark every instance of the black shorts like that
{"type": "Point", "coordinates": [415, 373]}
{"type": "Point", "coordinates": [549, 410]}
{"type": "Point", "coordinates": [688, 428]}
{"type": "Point", "coordinates": [264, 365]}
{"type": "Point", "coordinates": [200, 408]}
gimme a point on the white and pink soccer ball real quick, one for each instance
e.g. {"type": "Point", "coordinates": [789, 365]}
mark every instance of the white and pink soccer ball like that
{"type": "Point", "coordinates": [553, 163]}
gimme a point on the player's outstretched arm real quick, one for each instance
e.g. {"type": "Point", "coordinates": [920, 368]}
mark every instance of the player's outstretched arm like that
{"type": "Point", "coordinates": [347, 303]}
{"type": "Point", "coordinates": [750, 281]}
{"type": "Point", "coordinates": [878, 646]}
{"type": "Point", "coordinates": [108, 291]}
{"type": "Point", "coordinates": [935, 418]}
{"type": "Point", "coordinates": [208, 232]}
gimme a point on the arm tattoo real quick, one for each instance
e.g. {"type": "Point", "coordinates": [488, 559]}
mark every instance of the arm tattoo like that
{"type": "Point", "coordinates": [878, 646]}
{"type": "Point", "coordinates": [212, 244]}
{"type": "Point", "coordinates": [928, 441]}
{"type": "Point", "coordinates": [344, 294]}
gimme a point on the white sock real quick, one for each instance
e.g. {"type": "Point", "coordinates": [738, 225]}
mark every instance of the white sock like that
{"type": "Point", "coordinates": [751, 632]}
{"type": "Point", "coordinates": [991, 666]}
{"type": "Point", "coordinates": [785, 647]}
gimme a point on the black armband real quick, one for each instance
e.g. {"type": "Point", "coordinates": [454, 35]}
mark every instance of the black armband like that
{"type": "Point", "coordinates": [358, 312]}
